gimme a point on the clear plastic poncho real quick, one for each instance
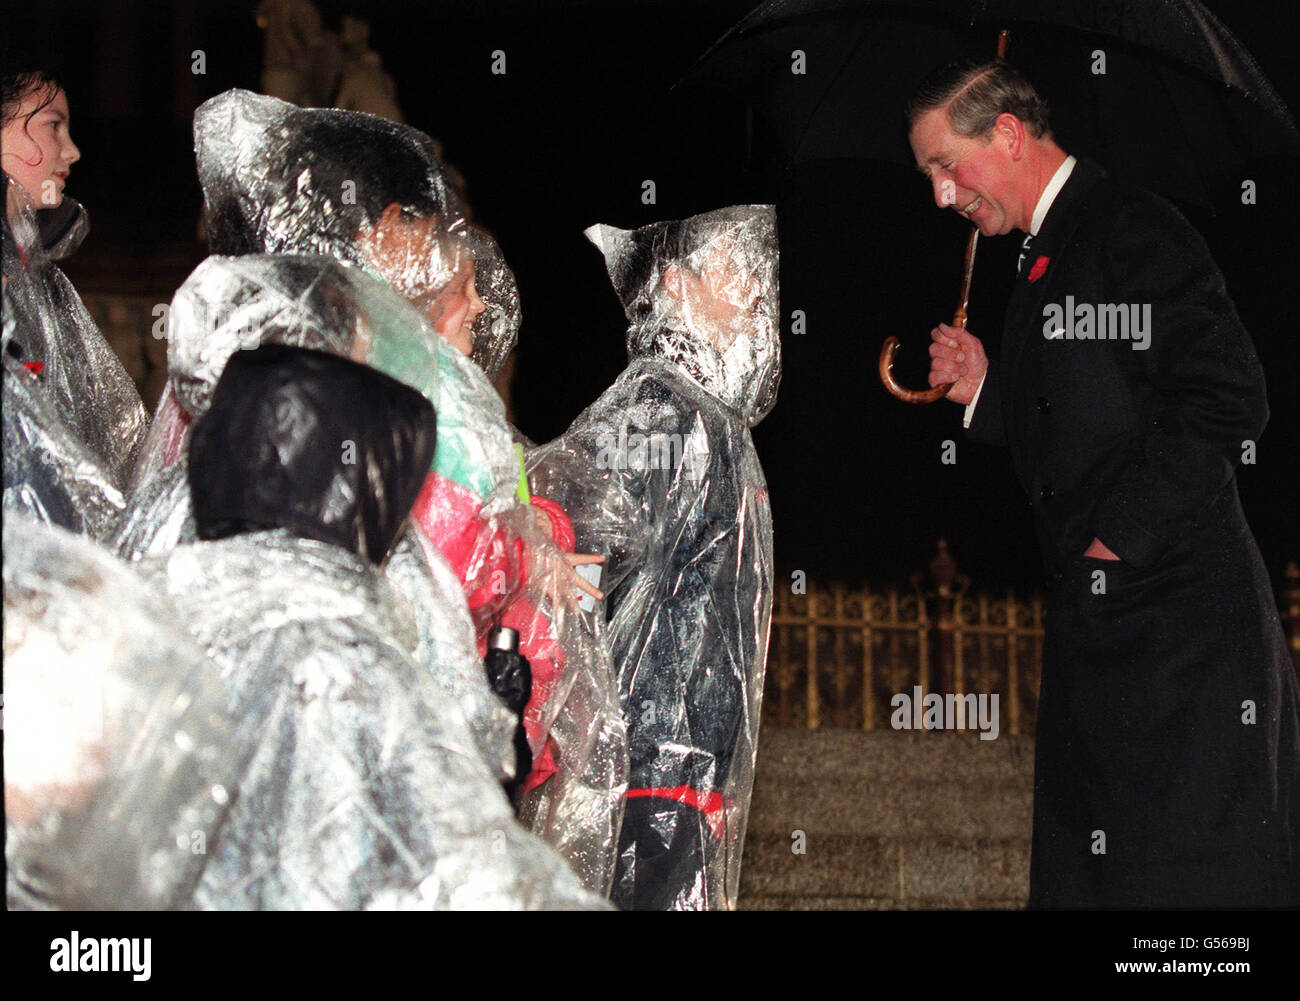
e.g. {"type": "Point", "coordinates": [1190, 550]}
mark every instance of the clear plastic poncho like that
{"type": "Point", "coordinates": [279, 179]}
{"type": "Point", "coordinates": [235, 304]}
{"type": "Point", "coordinates": [575, 794]}
{"type": "Point", "coordinates": [49, 472]}
{"type": "Point", "coordinates": [285, 180]}
{"type": "Point", "coordinates": [477, 512]}
{"type": "Point", "coordinates": [91, 414]}
{"type": "Point", "coordinates": [231, 304]}
{"type": "Point", "coordinates": [119, 756]}
{"type": "Point", "coordinates": [660, 475]}
{"type": "Point", "coordinates": [365, 788]}
{"type": "Point", "coordinates": [497, 328]}
{"type": "Point", "coordinates": [371, 793]}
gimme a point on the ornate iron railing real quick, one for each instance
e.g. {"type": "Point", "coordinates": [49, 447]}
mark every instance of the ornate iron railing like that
{"type": "Point", "coordinates": [838, 656]}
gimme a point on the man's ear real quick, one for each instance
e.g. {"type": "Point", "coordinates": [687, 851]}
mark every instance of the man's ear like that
{"type": "Point", "coordinates": [1010, 131]}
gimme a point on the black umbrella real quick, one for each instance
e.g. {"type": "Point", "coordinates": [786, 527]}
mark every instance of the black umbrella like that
{"type": "Point", "coordinates": [1158, 91]}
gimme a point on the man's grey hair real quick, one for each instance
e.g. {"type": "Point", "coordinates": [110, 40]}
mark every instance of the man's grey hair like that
{"type": "Point", "coordinates": [975, 94]}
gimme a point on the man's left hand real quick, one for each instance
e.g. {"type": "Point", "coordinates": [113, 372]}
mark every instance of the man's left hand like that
{"type": "Point", "coordinates": [1098, 550]}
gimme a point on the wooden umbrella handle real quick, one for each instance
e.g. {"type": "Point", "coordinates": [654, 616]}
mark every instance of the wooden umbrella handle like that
{"type": "Point", "coordinates": [887, 352]}
{"type": "Point", "coordinates": [891, 345]}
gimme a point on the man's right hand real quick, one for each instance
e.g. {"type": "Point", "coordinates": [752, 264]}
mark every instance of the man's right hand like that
{"type": "Point", "coordinates": [957, 356]}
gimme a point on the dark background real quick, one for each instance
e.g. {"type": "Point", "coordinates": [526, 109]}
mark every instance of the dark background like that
{"type": "Point", "coordinates": [565, 138]}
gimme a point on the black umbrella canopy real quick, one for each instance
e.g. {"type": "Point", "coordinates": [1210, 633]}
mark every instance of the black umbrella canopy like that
{"type": "Point", "coordinates": [1158, 90]}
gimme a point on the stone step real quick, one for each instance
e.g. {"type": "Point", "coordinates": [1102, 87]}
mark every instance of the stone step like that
{"type": "Point", "coordinates": [891, 785]}
{"type": "Point", "coordinates": [914, 872]}
{"type": "Point", "coordinates": [889, 755]}
{"type": "Point", "coordinates": [888, 819]}
{"type": "Point", "coordinates": [873, 904]}
{"type": "Point", "coordinates": [837, 806]}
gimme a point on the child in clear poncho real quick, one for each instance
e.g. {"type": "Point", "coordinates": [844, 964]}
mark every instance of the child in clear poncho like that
{"type": "Point", "coordinates": [73, 419]}
{"type": "Point", "coordinates": [661, 476]}
{"type": "Point", "coordinates": [283, 182]}
{"type": "Point", "coordinates": [361, 790]}
{"type": "Point", "coordinates": [119, 754]}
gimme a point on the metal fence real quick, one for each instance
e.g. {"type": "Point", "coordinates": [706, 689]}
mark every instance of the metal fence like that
{"type": "Point", "coordinates": [838, 655]}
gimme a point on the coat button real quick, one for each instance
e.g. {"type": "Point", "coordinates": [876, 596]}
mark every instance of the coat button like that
{"type": "Point", "coordinates": [1044, 405]}
{"type": "Point", "coordinates": [1045, 493]}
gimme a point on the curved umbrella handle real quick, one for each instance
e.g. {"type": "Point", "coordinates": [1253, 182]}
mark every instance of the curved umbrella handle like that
{"type": "Point", "coordinates": [890, 347]}
{"type": "Point", "coordinates": [887, 353]}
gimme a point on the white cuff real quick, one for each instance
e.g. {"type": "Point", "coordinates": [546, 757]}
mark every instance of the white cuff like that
{"type": "Point", "coordinates": [970, 407]}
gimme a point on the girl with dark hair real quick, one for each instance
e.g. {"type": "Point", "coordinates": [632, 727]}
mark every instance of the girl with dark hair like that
{"type": "Point", "coordinates": [55, 358]}
{"type": "Point", "coordinates": [36, 149]}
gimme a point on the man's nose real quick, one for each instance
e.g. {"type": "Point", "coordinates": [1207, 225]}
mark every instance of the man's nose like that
{"type": "Point", "coordinates": [943, 189]}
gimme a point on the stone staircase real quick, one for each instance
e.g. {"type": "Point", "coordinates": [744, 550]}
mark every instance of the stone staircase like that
{"type": "Point", "coordinates": [890, 819]}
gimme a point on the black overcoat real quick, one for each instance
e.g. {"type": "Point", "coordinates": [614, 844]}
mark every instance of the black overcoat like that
{"type": "Point", "coordinates": [1167, 767]}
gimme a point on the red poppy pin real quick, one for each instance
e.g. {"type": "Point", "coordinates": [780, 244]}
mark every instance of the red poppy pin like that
{"type": "Point", "coordinates": [1036, 272]}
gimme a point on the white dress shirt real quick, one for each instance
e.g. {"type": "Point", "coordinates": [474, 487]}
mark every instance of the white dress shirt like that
{"type": "Point", "coordinates": [1045, 200]}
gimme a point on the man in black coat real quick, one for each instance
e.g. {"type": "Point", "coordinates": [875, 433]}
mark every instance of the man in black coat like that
{"type": "Point", "coordinates": [1167, 768]}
